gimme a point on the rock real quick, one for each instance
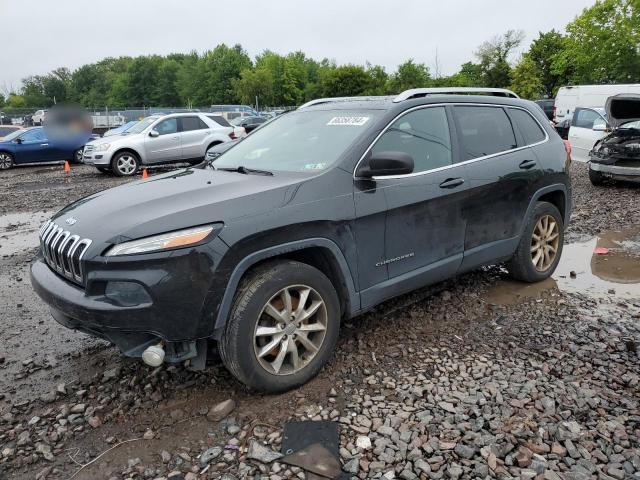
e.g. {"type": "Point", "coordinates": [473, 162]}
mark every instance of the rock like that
{"type": "Point", "coordinates": [211, 454]}
{"type": "Point", "coordinates": [259, 452]}
{"type": "Point", "coordinates": [363, 442]}
{"type": "Point", "coordinates": [78, 408]}
{"type": "Point", "coordinates": [95, 422]}
{"type": "Point", "coordinates": [221, 410]}
{"type": "Point", "coordinates": [352, 466]}
{"type": "Point", "coordinates": [448, 407]}
{"type": "Point", "coordinates": [464, 451]}
{"type": "Point", "coordinates": [8, 452]}
{"type": "Point", "coordinates": [23, 439]}
{"type": "Point", "coordinates": [45, 451]}
{"type": "Point", "coordinates": [523, 457]}
{"type": "Point", "coordinates": [111, 374]}
{"type": "Point", "coordinates": [166, 456]}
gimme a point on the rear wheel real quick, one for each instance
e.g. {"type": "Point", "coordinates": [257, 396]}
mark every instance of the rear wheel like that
{"type": "Point", "coordinates": [596, 178]}
{"type": "Point", "coordinates": [283, 326]}
{"type": "Point", "coordinates": [540, 246]}
{"type": "Point", "coordinates": [125, 164]}
{"type": "Point", "coordinates": [6, 161]}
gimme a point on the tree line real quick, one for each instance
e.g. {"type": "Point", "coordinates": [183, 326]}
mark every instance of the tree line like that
{"type": "Point", "coordinates": [601, 45]}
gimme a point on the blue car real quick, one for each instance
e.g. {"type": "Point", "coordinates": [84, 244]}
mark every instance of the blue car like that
{"type": "Point", "coordinates": [38, 145]}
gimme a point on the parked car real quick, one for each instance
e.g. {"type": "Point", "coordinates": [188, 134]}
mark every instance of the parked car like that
{"type": "Point", "coordinates": [586, 96]}
{"type": "Point", "coordinates": [5, 120]}
{"type": "Point", "coordinates": [314, 218]}
{"type": "Point", "coordinates": [40, 145]}
{"type": "Point", "coordinates": [249, 123]}
{"type": "Point", "coordinates": [547, 105]}
{"type": "Point", "coordinates": [7, 129]}
{"type": "Point", "coordinates": [233, 131]}
{"type": "Point", "coordinates": [38, 117]}
{"type": "Point", "coordinates": [177, 137]}
{"type": "Point", "coordinates": [120, 129]}
{"type": "Point", "coordinates": [588, 125]}
{"type": "Point", "coordinates": [617, 155]}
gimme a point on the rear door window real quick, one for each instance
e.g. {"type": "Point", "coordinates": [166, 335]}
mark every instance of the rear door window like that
{"type": "Point", "coordinates": [192, 123]}
{"type": "Point", "coordinates": [585, 118]}
{"type": "Point", "coordinates": [484, 131]}
{"type": "Point", "coordinates": [530, 130]}
{"type": "Point", "coordinates": [219, 120]}
{"type": "Point", "coordinates": [423, 134]}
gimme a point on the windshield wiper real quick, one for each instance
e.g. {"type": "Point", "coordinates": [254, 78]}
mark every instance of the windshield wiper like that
{"type": "Point", "coordinates": [246, 171]}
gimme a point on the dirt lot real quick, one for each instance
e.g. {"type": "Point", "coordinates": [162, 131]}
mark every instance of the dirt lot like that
{"type": "Point", "coordinates": [479, 377]}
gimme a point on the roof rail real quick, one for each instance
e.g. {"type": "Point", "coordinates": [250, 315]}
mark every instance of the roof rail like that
{"type": "Point", "coordinates": [319, 101]}
{"type": "Point", "coordinates": [423, 92]}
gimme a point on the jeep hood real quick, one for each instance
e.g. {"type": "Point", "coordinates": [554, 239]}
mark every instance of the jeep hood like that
{"type": "Point", "coordinates": [623, 108]}
{"type": "Point", "coordinates": [172, 201]}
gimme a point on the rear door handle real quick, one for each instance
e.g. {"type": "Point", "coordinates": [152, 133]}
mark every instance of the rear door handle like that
{"type": "Point", "coordinates": [452, 183]}
{"type": "Point", "coordinates": [527, 164]}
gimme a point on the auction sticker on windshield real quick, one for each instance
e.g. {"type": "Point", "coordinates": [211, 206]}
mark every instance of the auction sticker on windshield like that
{"type": "Point", "coordinates": [353, 121]}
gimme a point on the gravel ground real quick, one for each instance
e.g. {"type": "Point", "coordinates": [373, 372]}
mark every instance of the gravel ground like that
{"type": "Point", "coordinates": [478, 377]}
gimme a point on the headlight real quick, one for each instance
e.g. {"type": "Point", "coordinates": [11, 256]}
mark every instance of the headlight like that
{"type": "Point", "coordinates": [102, 147]}
{"type": "Point", "coordinates": [164, 241]}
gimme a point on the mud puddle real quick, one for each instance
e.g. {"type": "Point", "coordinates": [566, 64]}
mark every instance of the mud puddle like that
{"type": "Point", "coordinates": [603, 267]}
{"type": "Point", "coordinates": [19, 231]}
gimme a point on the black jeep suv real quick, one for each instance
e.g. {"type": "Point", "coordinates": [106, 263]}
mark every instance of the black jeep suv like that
{"type": "Point", "coordinates": [314, 218]}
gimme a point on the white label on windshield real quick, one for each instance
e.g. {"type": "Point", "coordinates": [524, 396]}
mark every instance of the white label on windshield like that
{"type": "Point", "coordinates": [353, 121]}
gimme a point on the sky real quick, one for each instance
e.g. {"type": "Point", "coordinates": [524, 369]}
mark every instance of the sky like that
{"type": "Point", "coordinates": [40, 35]}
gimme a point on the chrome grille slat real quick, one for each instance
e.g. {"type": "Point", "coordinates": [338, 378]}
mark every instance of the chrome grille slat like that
{"type": "Point", "coordinates": [63, 251]}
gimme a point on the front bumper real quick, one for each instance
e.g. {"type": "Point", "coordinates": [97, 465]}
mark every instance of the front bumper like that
{"type": "Point", "coordinates": [180, 306]}
{"type": "Point", "coordinates": [102, 158]}
{"type": "Point", "coordinates": [616, 172]}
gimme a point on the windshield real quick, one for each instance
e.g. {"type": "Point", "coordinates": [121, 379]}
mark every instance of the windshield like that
{"type": "Point", "coordinates": [142, 125]}
{"type": "Point", "coordinates": [302, 141]}
{"type": "Point", "coordinates": [13, 135]}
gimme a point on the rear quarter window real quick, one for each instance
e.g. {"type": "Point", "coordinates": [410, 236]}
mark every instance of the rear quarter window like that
{"type": "Point", "coordinates": [484, 131]}
{"type": "Point", "coordinates": [528, 127]}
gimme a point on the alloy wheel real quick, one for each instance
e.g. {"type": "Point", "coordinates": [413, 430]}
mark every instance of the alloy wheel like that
{"type": "Point", "coordinates": [126, 164]}
{"type": "Point", "coordinates": [544, 243]}
{"type": "Point", "coordinates": [5, 161]}
{"type": "Point", "coordinates": [290, 330]}
{"type": "Point", "coordinates": [78, 155]}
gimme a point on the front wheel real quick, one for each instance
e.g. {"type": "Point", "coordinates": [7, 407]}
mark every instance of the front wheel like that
{"type": "Point", "coordinates": [77, 156]}
{"type": "Point", "coordinates": [283, 326]}
{"type": "Point", "coordinates": [540, 246]}
{"type": "Point", "coordinates": [125, 164]}
{"type": "Point", "coordinates": [6, 161]}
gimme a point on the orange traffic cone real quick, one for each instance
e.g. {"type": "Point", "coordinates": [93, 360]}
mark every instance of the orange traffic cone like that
{"type": "Point", "coordinates": [144, 173]}
{"type": "Point", "coordinates": [67, 167]}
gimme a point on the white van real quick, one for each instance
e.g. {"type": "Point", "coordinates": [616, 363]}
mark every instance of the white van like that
{"type": "Point", "coordinates": [589, 96]}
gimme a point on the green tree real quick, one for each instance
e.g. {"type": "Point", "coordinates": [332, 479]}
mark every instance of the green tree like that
{"type": "Point", "coordinates": [16, 101]}
{"type": "Point", "coordinates": [409, 75]}
{"type": "Point", "coordinates": [493, 57]}
{"type": "Point", "coordinates": [602, 44]}
{"type": "Point", "coordinates": [345, 81]}
{"type": "Point", "coordinates": [527, 80]}
{"type": "Point", "coordinates": [378, 80]}
{"type": "Point", "coordinates": [255, 83]}
{"type": "Point", "coordinates": [544, 52]}
{"type": "Point", "coordinates": [3, 100]}
{"type": "Point", "coordinates": [216, 72]}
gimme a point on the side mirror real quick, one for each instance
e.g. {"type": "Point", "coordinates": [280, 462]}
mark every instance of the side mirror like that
{"type": "Point", "coordinates": [386, 163]}
{"type": "Point", "coordinates": [18, 141]}
{"type": "Point", "coordinates": [154, 133]}
{"type": "Point", "coordinates": [600, 127]}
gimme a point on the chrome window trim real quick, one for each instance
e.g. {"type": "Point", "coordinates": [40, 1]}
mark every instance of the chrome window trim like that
{"type": "Point", "coordinates": [439, 169]}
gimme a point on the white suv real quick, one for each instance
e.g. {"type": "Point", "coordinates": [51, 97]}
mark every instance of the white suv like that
{"type": "Point", "coordinates": [178, 137]}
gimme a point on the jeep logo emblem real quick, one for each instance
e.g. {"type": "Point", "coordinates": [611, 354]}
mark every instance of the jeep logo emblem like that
{"type": "Point", "coordinates": [71, 220]}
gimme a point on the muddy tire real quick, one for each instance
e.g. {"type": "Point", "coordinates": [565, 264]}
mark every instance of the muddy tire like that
{"type": "Point", "coordinates": [540, 246]}
{"type": "Point", "coordinates": [6, 161]}
{"type": "Point", "coordinates": [283, 326]}
{"type": "Point", "coordinates": [596, 178]}
{"type": "Point", "coordinates": [125, 164]}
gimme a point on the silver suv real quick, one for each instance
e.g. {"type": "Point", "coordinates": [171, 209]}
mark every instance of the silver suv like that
{"type": "Point", "coordinates": [158, 139]}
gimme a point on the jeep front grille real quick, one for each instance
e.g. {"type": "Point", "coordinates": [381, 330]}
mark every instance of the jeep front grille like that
{"type": "Point", "coordinates": [62, 251]}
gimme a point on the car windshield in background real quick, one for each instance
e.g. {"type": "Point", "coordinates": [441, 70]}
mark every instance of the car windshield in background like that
{"type": "Point", "coordinates": [142, 125]}
{"type": "Point", "coordinates": [304, 141]}
{"type": "Point", "coordinates": [12, 135]}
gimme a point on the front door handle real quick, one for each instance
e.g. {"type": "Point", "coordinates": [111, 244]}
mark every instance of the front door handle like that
{"type": "Point", "coordinates": [527, 164]}
{"type": "Point", "coordinates": [452, 183]}
{"type": "Point", "coordinates": [44, 144]}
